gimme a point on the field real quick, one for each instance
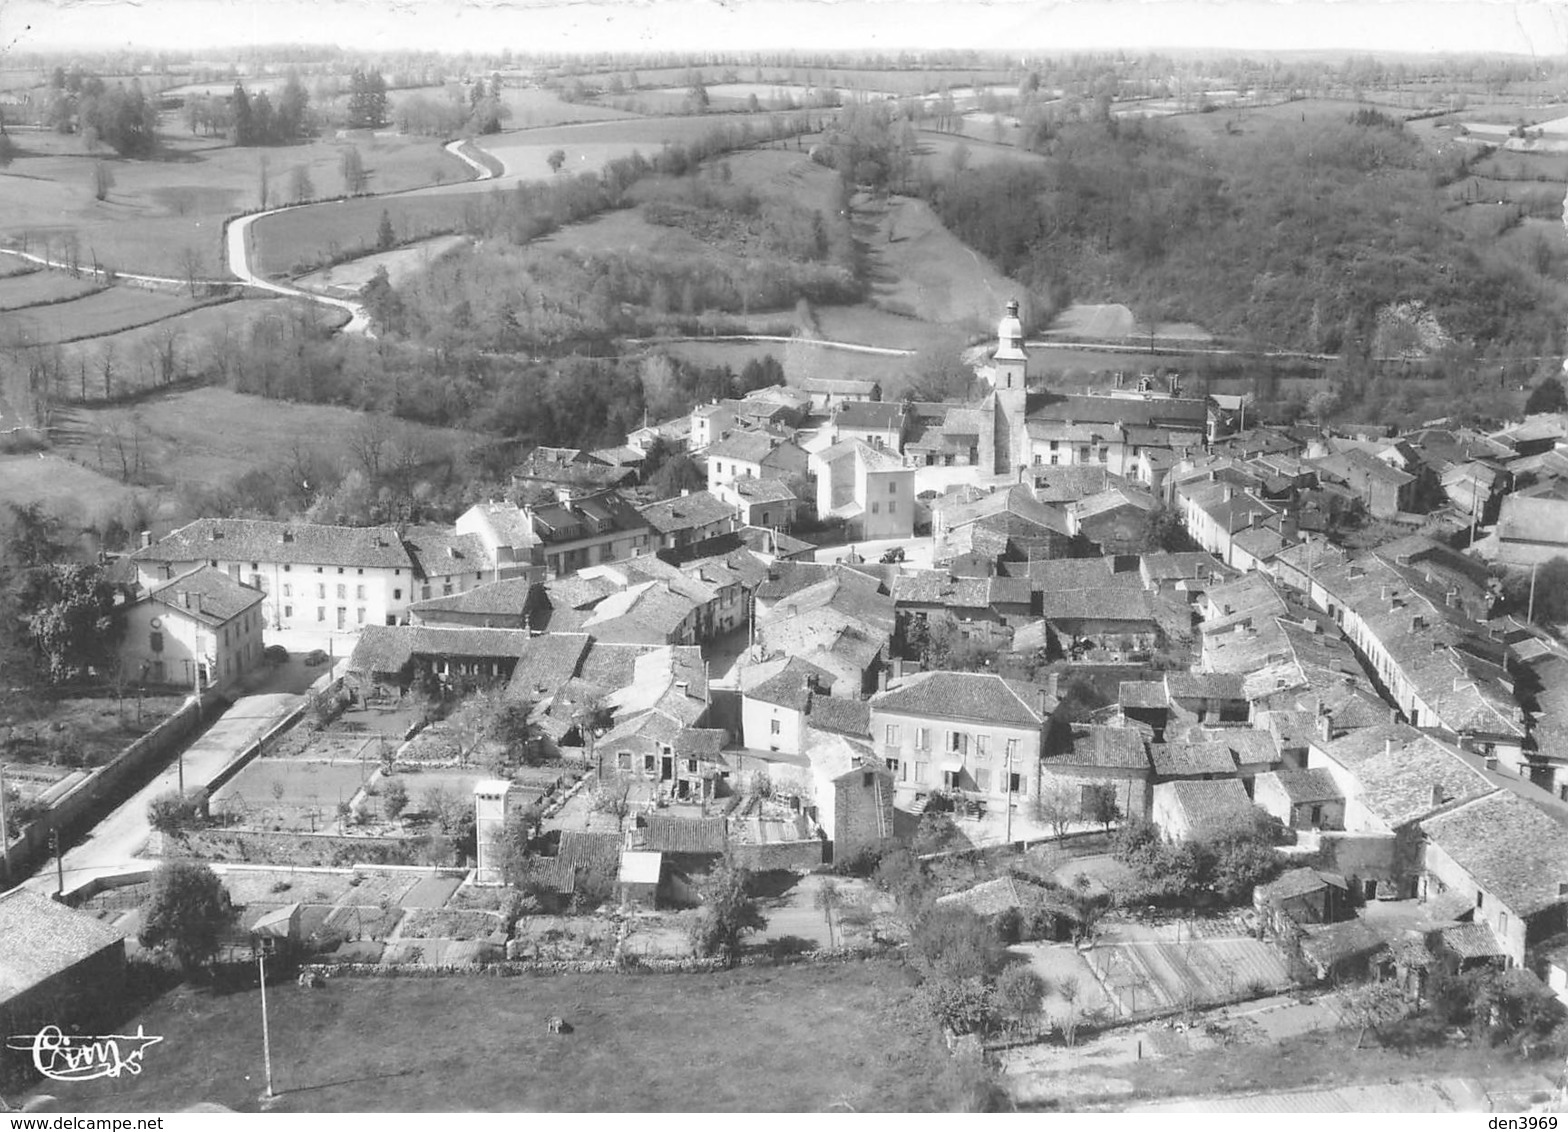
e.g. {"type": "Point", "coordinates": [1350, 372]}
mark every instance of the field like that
{"type": "Point", "coordinates": [936, 150]}
{"type": "Point", "coordinates": [205, 435]}
{"type": "Point", "coordinates": [349, 278]}
{"type": "Point", "coordinates": [790, 1039]}
{"type": "Point", "coordinates": [292, 242]}
{"type": "Point", "coordinates": [35, 287]}
{"type": "Point", "coordinates": [158, 211]}
{"type": "Point", "coordinates": [292, 793]}
{"type": "Point", "coordinates": [799, 359]}
{"type": "Point", "coordinates": [1115, 321]}
{"type": "Point", "coordinates": [532, 107]}
{"type": "Point", "coordinates": [101, 312]}
{"type": "Point", "coordinates": [57, 484]}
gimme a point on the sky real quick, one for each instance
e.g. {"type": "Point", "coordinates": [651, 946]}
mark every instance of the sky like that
{"type": "Point", "coordinates": [1536, 27]}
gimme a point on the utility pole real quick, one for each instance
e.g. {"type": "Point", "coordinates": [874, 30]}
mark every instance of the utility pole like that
{"type": "Point", "coordinates": [1530, 615]}
{"type": "Point", "coordinates": [59, 864]}
{"type": "Point", "coordinates": [266, 1037]}
{"type": "Point", "coordinates": [5, 832]}
{"type": "Point", "coordinates": [1009, 795]}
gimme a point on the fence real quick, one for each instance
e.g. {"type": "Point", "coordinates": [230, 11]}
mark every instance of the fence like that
{"type": "Point", "coordinates": [105, 788]}
{"type": "Point", "coordinates": [515, 968]}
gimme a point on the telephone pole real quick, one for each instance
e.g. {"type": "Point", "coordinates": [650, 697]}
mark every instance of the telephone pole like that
{"type": "Point", "coordinates": [266, 1036]}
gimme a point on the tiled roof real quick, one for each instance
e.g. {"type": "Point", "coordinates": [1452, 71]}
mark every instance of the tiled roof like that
{"type": "Point", "coordinates": [40, 938]}
{"type": "Point", "coordinates": [748, 447]}
{"type": "Point", "coordinates": [1016, 502]}
{"type": "Point", "coordinates": [993, 897]}
{"type": "Point", "coordinates": [587, 517]}
{"type": "Point", "coordinates": [938, 587]}
{"type": "Point", "coordinates": [264, 540]}
{"type": "Point", "coordinates": [207, 595]}
{"type": "Point", "coordinates": [1211, 806]}
{"type": "Point", "coordinates": [687, 512]}
{"type": "Point", "coordinates": [1250, 746]}
{"type": "Point", "coordinates": [1331, 944]}
{"type": "Point", "coordinates": [509, 597]}
{"type": "Point", "coordinates": [1304, 786]}
{"type": "Point", "coordinates": [1296, 882]}
{"type": "Point", "coordinates": [1067, 483]}
{"type": "Point", "coordinates": [545, 665]}
{"type": "Point", "coordinates": [700, 742]}
{"type": "Point", "coordinates": [790, 687]}
{"type": "Point", "coordinates": [663, 834]}
{"type": "Point", "coordinates": [584, 849]}
{"type": "Point", "coordinates": [847, 386]}
{"type": "Point", "coordinates": [761, 490]}
{"type": "Point", "coordinates": [1188, 760]}
{"type": "Point", "coordinates": [1470, 941]}
{"type": "Point", "coordinates": [1143, 694]}
{"type": "Point", "coordinates": [872, 458]}
{"type": "Point", "coordinates": [388, 648]}
{"type": "Point", "coordinates": [841, 716]}
{"type": "Point", "coordinates": [1170, 411]}
{"type": "Point", "coordinates": [440, 551]}
{"type": "Point", "coordinates": [874, 415]}
{"type": "Point", "coordinates": [1511, 848]}
{"type": "Point", "coordinates": [1114, 499]}
{"type": "Point", "coordinates": [1204, 685]}
{"type": "Point", "coordinates": [967, 695]}
{"type": "Point", "coordinates": [1108, 603]}
{"type": "Point", "coordinates": [1404, 775]}
{"type": "Point", "coordinates": [1109, 747]}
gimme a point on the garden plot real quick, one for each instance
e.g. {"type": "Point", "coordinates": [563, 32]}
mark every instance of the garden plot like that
{"type": "Point", "coordinates": [1156, 974]}
{"type": "Point", "coordinates": [454, 924]}
{"type": "Point", "coordinates": [253, 886]}
{"type": "Point", "coordinates": [661, 936]}
{"type": "Point", "coordinates": [364, 923]}
{"type": "Point", "coordinates": [292, 794]}
{"type": "Point", "coordinates": [373, 890]}
{"type": "Point", "coordinates": [563, 937]}
{"type": "Point", "coordinates": [432, 893]}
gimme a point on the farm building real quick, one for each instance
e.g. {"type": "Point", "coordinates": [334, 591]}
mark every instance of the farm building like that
{"type": "Point", "coordinates": [60, 967]}
{"type": "Point", "coordinates": [639, 877]}
{"type": "Point", "coordinates": [1197, 809]}
{"type": "Point", "coordinates": [1299, 897]}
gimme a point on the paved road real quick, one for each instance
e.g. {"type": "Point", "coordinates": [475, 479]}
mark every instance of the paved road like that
{"type": "Point", "coordinates": [482, 171]}
{"type": "Point", "coordinates": [238, 244]}
{"type": "Point", "coordinates": [115, 843]}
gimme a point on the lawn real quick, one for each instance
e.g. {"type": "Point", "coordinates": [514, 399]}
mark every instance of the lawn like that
{"type": "Point", "coordinates": [35, 287]}
{"type": "Point", "coordinates": [290, 792]}
{"type": "Point", "coordinates": [101, 312]}
{"type": "Point", "coordinates": [159, 209]}
{"type": "Point", "coordinates": [208, 434]}
{"type": "Point", "coordinates": [789, 1039]}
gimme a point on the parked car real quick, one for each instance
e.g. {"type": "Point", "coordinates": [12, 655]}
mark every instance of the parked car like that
{"type": "Point", "coordinates": [315, 657]}
{"type": "Point", "coordinates": [275, 654]}
{"type": "Point", "coordinates": [893, 554]}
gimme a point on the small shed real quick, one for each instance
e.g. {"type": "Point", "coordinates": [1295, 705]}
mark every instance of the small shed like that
{"type": "Point", "coordinates": [1301, 896]}
{"type": "Point", "coordinates": [639, 877]}
{"type": "Point", "coordinates": [1352, 949]}
{"type": "Point", "coordinates": [276, 932]}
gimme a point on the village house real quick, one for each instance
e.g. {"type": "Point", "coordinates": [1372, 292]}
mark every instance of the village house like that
{"type": "Point", "coordinates": [1530, 531]}
{"type": "Point", "coordinates": [1386, 490]}
{"type": "Point", "coordinates": [1508, 860]}
{"type": "Point", "coordinates": [1098, 758]}
{"type": "Point", "coordinates": [311, 576]}
{"type": "Point", "coordinates": [870, 488]}
{"type": "Point", "coordinates": [881, 424]}
{"type": "Point", "coordinates": [767, 503]}
{"type": "Point", "coordinates": [688, 518]}
{"type": "Point", "coordinates": [62, 967]}
{"type": "Point", "coordinates": [841, 626]}
{"type": "Point", "coordinates": [1194, 809]}
{"type": "Point", "coordinates": [965, 731]}
{"type": "Point", "coordinates": [199, 630]}
{"type": "Point", "coordinates": [566, 473]}
{"type": "Point", "coordinates": [758, 455]}
{"type": "Point", "coordinates": [825, 392]}
{"type": "Point", "coordinates": [1005, 523]}
{"type": "Point", "coordinates": [1300, 798]}
{"type": "Point", "coordinates": [1114, 521]}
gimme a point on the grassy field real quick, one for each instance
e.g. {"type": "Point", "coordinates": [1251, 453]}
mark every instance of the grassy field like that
{"type": "Point", "coordinates": [159, 209]}
{"type": "Point", "coordinates": [350, 277]}
{"type": "Point", "coordinates": [292, 793]}
{"type": "Point", "coordinates": [800, 360]}
{"type": "Point", "coordinates": [936, 150]}
{"type": "Point", "coordinates": [209, 434]}
{"type": "Point", "coordinates": [289, 243]}
{"type": "Point", "coordinates": [17, 291]}
{"type": "Point", "coordinates": [798, 1039]}
{"type": "Point", "coordinates": [106, 311]}
{"type": "Point", "coordinates": [58, 484]}
{"type": "Point", "coordinates": [531, 106]}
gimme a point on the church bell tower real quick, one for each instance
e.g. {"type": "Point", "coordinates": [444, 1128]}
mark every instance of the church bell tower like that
{"type": "Point", "coordinates": [1010, 364]}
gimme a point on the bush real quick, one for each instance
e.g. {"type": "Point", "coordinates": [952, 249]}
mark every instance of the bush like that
{"type": "Point", "coordinates": [956, 944]}
{"type": "Point", "coordinates": [394, 798]}
{"type": "Point", "coordinates": [965, 1006]}
{"type": "Point", "coordinates": [173, 814]}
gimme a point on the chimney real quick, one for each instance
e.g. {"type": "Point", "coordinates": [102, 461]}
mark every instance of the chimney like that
{"type": "Point", "coordinates": [1385, 592]}
{"type": "Point", "coordinates": [146, 539]}
{"type": "Point", "coordinates": [898, 669]}
{"type": "Point", "coordinates": [882, 680]}
{"type": "Point", "coordinates": [184, 598]}
{"type": "Point", "coordinates": [1438, 794]}
{"type": "Point", "coordinates": [1388, 747]}
{"type": "Point", "coordinates": [1325, 727]}
{"type": "Point", "coordinates": [288, 535]}
{"type": "Point", "coordinates": [198, 603]}
{"type": "Point", "coordinates": [1228, 492]}
{"type": "Point", "coordinates": [1393, 716]}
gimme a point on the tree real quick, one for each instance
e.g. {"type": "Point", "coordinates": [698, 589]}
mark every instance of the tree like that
{"type": "Point", "coordinates": [964, 1006]}
{"type": "Point", "coordinates": [728, 913]}
{"type": "Point", "coordinates": [367, 100]}
{"type": "Point", "coordinates": [172, 813]}
{"type": "Point", "coordinates": [941, 373]}
{"type": "Point", "coordinates": [1163, 529]}
{"type": "Point", "coordinates": [1372, 1005]}
{"type": "Point", "coordinates": [185, 913]}
{"type": "Point", "coordinates": [71, 621]}
{"type": "Point", "coordinates": [511, 725]}
{"type": "Point", "coordinates": [386, 235]}
{"type": "Point", "coordinates": [1100, 805]}
{"type": "Point", "coordinates": [1019, 994]}
{"type": "Point", "coordinates": [241, 128]}
{"type": "Point", "coordinates": [394, 798]}
{"type": "Point", "coordinates": [352, 166]}
{"type": "Point", "coordinates": [1550, 583]}
{"type": "Point", "coordinates": [262, 180]}
{"type": "Point", "coordinates": [556, 159]}
{"type": "Point", "coordinates": [613, 796]}
{"type": "Point", "coordinates": [954, 944]}
{"type": "Point", "coordinates": [828, 900]}
{"type": "Point", "coordinates": [103, 180]}
{"type": "Point", "coordinates": [301, 187]}
{"type": "Point", "coordinates": [1547, 397]}
{"type": "Point", "coordinates": [1056, 807]}
{"type": "Point", "coordinates": [7, 149]}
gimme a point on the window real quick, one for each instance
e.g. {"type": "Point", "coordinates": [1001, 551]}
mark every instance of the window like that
{"type": "Point", "coordinates": [866, 779]}
{"type": "Point", "coordinates": [1502, 924]}
{"type": "Point", "coordinates": [892, 487]}
{"type": "Point", "coordinates": [892, 734]}
{"type": "Point", "coordinates": [397, 595]}
{"type": "Point", "coordinates": [321, 613]}
{"type": "Point", "coordinates": [359, 615]}
{"type": "Point", "coordinates": [287, 568]}
{"type": "Point", "coordinates": [361, 570]}
{"type": "Point", "coordinates": [319, 570]}
{"type": "Point", "coordinates": [892, 765]}
{"type": "Point", "coordinates": [773, 727]}
{"type": "Point", "coordinates": [920, 771]}
{"type": "Point", "coordinates": [1038, 458]}
{"type": "Point", "coordinates": [155, 641]}
{"type": "Point", "coordinates": [923, 738]}
{"type": "Point", "coordinates": [958, 742]}
{"type": "Point", "coordinates": [342, 593]}
{"type": "Point", "coordinates": [225, 636]}
{"type": "Point", "coordinates": [340, 569]}
{"type": "Point", "coordinates": [1012, 748]}
{"type": "Point", "coordinates": [446, 587]}
{"type": "Point", "coordinates": [288, 590]}
{"type": "Point", "coordinates": [321, 591]}
{"type": "Point", "coordinates": [623, 761]}
{"type": "Point", "coordinates": [1017, 784]}
{"type": "Point", "coordinates": [359, 593]}
{"type": "Point", "coordinates": [1083, 454]}
{"type": "Point", "coordinates": [648, 764]}
{"type": "Point", "coordinates": [255, 565]}
{"type": "Point", "coordinates": [288, 611]}
{"type": "Point", "coordinates": [424, 593]}
{"type": "Point", "coordinates": [892, 507]}
{"type": "Point", "coordinates": [983, 780]}
{"type": "Point", "coordinates": [983, 746]}
{"type": "Point", "coordinates": [876, 508]}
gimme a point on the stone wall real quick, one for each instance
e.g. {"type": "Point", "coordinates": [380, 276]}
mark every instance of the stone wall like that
{"type": "Point", "coordinates": [517, 968]}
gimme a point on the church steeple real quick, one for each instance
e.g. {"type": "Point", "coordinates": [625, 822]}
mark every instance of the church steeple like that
{"type": "Point", "coordinates": [1010, 357]}
{"type": "Point", "coordinates": [1009, 396]}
